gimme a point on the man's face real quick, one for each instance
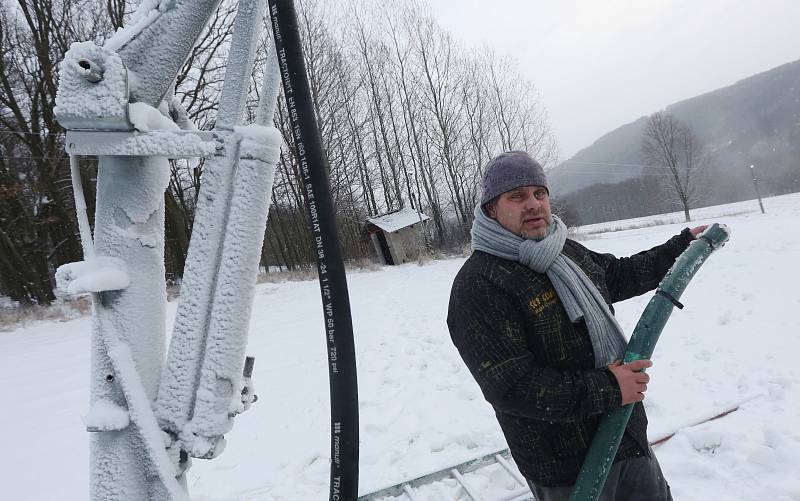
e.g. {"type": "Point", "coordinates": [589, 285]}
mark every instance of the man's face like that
{"type": "Point", "coordinates": [524, 211]}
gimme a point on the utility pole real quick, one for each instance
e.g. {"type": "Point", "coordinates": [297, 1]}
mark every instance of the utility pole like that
{"type": "Point", "coordinates": [755, 185]}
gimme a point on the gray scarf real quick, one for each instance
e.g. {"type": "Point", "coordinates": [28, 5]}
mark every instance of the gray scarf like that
{"type": "Point", "coordinates": [577, 293]}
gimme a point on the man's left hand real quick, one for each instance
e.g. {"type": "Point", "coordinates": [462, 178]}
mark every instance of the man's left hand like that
{"type": "Point", "coordinates": [698, 230]}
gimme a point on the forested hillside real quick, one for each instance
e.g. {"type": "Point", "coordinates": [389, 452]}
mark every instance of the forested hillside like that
{"type": "Point", "coordinates": [753, 122]}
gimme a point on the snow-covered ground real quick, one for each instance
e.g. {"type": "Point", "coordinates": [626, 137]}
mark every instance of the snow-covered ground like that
{"type": "Point", "coordinates": [735, 342]}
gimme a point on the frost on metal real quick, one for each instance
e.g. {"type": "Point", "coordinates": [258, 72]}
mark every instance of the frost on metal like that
{"type": "Point", "coordinates": [93, 275]}
{"type": "Point", "coordinates": [179, 114]}
{"type": "Point", "coordinates": [144, 117]}
{"type": "Point", "coordinates": [129, 328]}
{"type": "Point", "coordinates": [147, 12]}
{"type": "Point", "coordinates": [113, 101]}
{"type": "Point", "coordinates": [240, 63]}
{"type": "Point", "coordinates": [154, 143]}
{"type": "Point", "coordinates": [92, 90]}
{"type": "Point", "coordinates": [105, 415]}
{"type": "Point", "coordinates": [269, 90]}
{"type": "Point", "coordinates": [157, 143]}
{"type": "Point", "coordinates": [156, 45]}
{"type": "Point", "coordinates": [259, 142]}
{"type": "Point", "coordinates": [141, 415]}
{"type": "Point", "coordinates": [178, 382]}
{"type": "Point", "coordinates": [130, 226]}
{"type": "Point", "coordinates": [201, 388]}
{"type": "Point", "coordinates": [201, 385]}
{"type": "Point", "coordinates": [219, 393]}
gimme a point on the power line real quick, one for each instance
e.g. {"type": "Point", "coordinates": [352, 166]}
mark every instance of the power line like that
{"type": "Point", "coordinates": [607, 163]}
{"type": "Point", "coordinates": [616, 165]}
{"type": "Point", "coordinates": [631, 175]}
{"type": "Point", "coordinates": [646, 169]}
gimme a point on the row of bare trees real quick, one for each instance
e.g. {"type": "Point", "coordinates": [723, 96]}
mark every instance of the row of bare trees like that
{"type": "Point", "coordinates": [37, 222]}
{"type": "Point", "coordinates": [408, 118]}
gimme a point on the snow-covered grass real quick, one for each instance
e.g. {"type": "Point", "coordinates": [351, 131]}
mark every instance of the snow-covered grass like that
{"type": "Point", "coordinates": [279, 275]}
{"type": "Point", "coordinates": [715, 211]}
{"type": "Point", "coordinates": [14, 315]}
{"type": "Point", "coordinates": [6, 303]}
{"type": "Point", "coordinates": [735, 342]}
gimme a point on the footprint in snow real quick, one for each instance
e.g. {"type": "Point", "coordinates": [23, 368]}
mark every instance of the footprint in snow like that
{"type": "Point", "coordinates": [725, 318]}
{"type": "Point", "coordinates": [703, 355]}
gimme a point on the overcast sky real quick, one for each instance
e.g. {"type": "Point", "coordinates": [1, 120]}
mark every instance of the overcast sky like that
{"type": "Point", "coordinates": [599, 64]}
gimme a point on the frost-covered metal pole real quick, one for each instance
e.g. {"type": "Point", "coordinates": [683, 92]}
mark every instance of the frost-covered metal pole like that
{"type": "Point", "coordinates": [139, 64]}
{"type": "Point", "coordinates": [129, 225]}
{"type": "Point", "coordinates": [113, 102]}
{"type": "Point", "coordinates": [199, 390]}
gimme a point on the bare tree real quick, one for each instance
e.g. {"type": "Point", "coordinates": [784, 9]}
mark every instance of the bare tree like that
{"type": "Point", "coordinates": [442, 73]}
{"type": "Point", "coordinates": [671, 145]}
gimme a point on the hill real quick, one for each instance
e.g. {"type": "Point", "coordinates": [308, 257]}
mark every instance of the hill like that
{"type": "Point", "coordinates": [754, 121]}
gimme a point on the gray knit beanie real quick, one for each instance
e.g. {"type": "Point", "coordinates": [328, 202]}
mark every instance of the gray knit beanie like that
{"type": "Point", "coordinates": [510, 170]}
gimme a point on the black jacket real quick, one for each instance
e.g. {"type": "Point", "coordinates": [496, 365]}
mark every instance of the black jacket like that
{"type": "Point", "coordinates": [535, 366]}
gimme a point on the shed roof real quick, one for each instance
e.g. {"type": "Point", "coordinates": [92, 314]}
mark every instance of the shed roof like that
{"type": "Point", "coordinates": [398, 219]}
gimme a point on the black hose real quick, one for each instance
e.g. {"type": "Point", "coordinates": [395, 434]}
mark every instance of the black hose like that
{"type": "Point", "coordinates": [332, 279]}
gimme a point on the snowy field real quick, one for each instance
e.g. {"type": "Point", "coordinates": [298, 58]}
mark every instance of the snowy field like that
{"type": "Point", "coordinates": [735, 343]}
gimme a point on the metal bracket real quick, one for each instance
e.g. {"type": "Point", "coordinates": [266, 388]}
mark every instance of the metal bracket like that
{"type": "Point", "coordinates": [170, 144]}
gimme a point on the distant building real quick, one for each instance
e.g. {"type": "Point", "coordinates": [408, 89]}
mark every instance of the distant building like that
{"type": "Point", "coordinates": [397, 235]}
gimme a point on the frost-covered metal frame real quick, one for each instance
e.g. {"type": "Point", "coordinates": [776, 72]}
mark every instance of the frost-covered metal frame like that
{"type": "Point", "coordinates": [152, 409]}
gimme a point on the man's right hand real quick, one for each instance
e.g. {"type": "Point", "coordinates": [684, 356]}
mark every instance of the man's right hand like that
{"type": "Point", "coordinates": [632, 382]}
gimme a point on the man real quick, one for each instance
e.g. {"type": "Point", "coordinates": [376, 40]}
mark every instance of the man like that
{"type": "Point", "coordinates": [530, 313]}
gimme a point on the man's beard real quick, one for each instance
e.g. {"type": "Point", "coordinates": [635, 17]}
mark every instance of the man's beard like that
{"type": "Point", "coordinates": [539, 234]}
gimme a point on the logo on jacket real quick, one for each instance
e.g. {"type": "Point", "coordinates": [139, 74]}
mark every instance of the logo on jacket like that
{"type": "Point", "coordinates": [542, 301]}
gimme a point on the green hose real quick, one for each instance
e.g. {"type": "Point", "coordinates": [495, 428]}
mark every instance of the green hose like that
{"type": "Point", "coordinates": [608, 436]}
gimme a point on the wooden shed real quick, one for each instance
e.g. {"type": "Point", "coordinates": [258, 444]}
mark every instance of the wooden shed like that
{"type": "Point", "coordinates": [397, 235]}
